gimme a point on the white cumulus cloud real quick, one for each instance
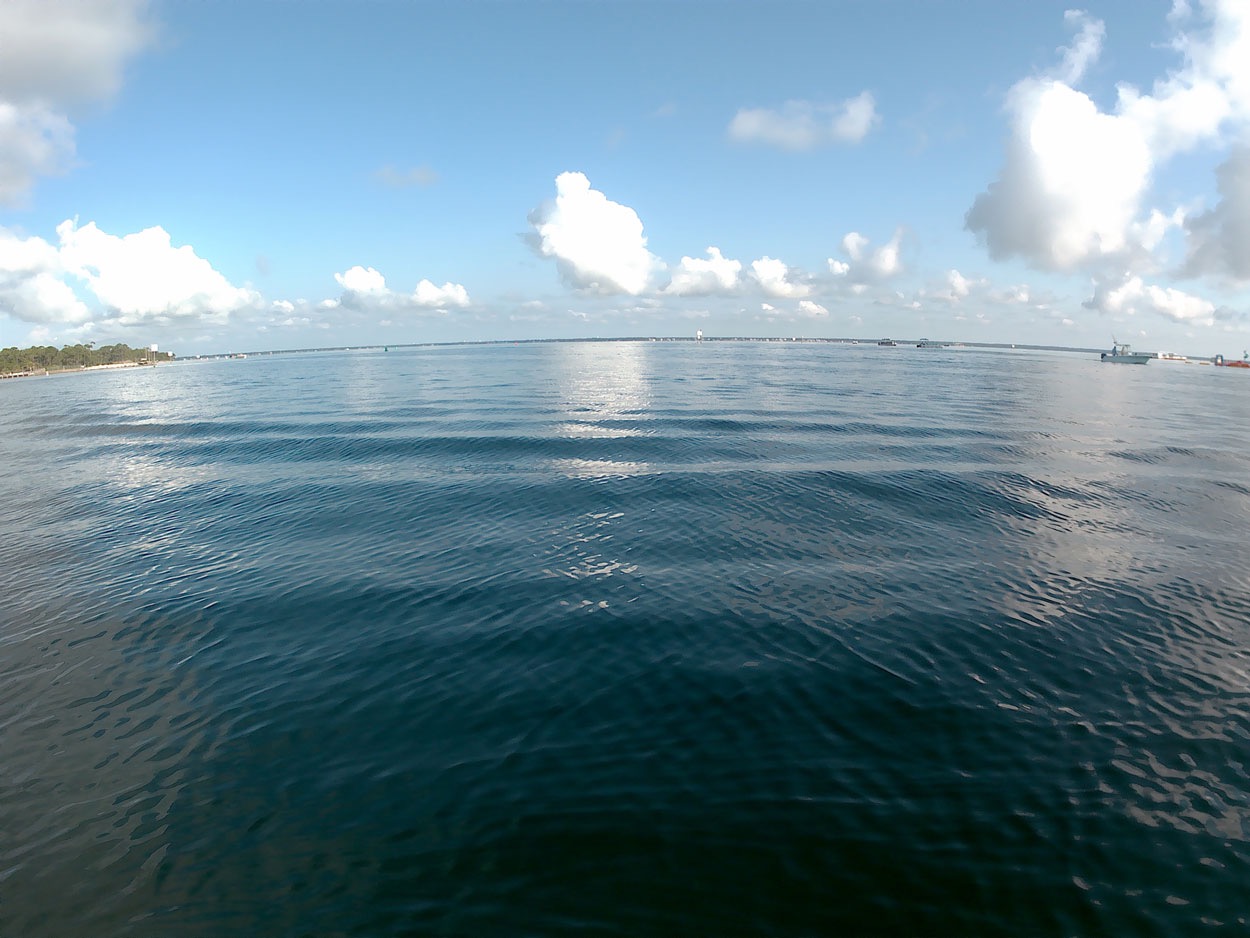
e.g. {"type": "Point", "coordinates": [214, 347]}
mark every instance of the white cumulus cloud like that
{"type": "Point", "coordinates": [31, 288]}
{"type": "Point", "coordinates": [365, 288]}
{"type": "Point", "coordinates": [449, 294]}
{"type": "Point", "coordinates": [143, 277]}
{"type": "Point", "coordinates": [1075, 183]}
{"type": "Point", "coordinates": [865, 263]}
{"type": "Point", "coordinates": [960, 285]}
{"type": "Point", "coordinates": [1132, 296]}
{"type": "Point", "coordinates": [802, 125]}
{"type": "Point", "coordinates": [136, 278]}
{"type": "Point", "coordinates": [598, 245]}
{"type": "Point", "coordinates": [697, 277]}
{"type": "Point", "coordinates": [775, 279]}
{"type": "Point", "coordinates": [362, 280]}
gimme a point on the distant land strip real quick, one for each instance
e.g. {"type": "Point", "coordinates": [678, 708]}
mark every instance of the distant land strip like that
{"type": "Point", "coordinates": [47, 359]}
{"type": "Point", "coordinates": [637, 338]}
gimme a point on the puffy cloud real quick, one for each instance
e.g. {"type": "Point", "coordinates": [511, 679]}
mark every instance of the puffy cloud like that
{"type": "Point", "coordinates": [960, 285]}
{"type": "Point", "coordinates": [801, 125]}
{"type": "Point", "coordinates": [853, 244]}
{"type": "Point", "coordinates": [365, 288]}
{"type": "Point", "coordinates": [57, 54]}
{"type": "Point", "coordinates": [696, 277]}
{"type": "Point", "coordinates": [137, 278]}
{"type": "Point", "coordinates": [1074, 181]}
{"type": "Point", "coordinates": [143, 277]}
{"type": "Point", "coordinates": [362, 280]}
{"type": "Point", "coordinates": [1131, 296]}
{"type": "Point", "coordinates": [1219, 240]}
{"type": "Point", "coordinates": [773, 276]}
{"type": "Point", "coordinates": [886, 260]}
{"type": "Point", "coordinates": [1071, 185]}
{"type": "Point", "coordinates": [597, 244]}
{"type": "Point", "coordinates": [867, 264]}
{"type": "Point", "coordinates": [31, 288]}
{"type": "Point", "coordinates": [449, 294]}
{"type": "Point", "coordinates": [812, 310]}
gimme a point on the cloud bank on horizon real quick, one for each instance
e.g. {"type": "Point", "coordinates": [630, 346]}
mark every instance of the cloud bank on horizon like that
{"type": "Point", "coordinates": [1129, 209]}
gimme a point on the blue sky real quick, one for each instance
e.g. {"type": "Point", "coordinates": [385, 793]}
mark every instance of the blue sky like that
{"type": "Point", "coordinates": [227, 175]}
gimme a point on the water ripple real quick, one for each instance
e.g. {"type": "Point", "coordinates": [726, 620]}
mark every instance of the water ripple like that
{"type": "Point", "coordinates": [625, 638]}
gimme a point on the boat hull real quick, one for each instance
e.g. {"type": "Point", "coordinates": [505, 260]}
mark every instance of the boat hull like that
{"type": "Point", "coordinates": [1132, 358]}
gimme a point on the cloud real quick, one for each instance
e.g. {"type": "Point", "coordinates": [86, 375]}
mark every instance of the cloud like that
{"type": "Point", "coordinates": [31, 288]}
{"type": "Point", "coordinates": [1085, 48]}
{"type": "Point", "coordinates": [801, 125]}
{"type": "Point", "coordinates": [597, 244]}
{"type": "Point", "coordinates": [774, 278]}
{"type": "Point", "coordinates": [362, 280]}
{"type": "Point", "coordinates": [812, 310]}
{"type": "Point", "coordinates": [449, 294]}
{"type": "Point", "coordinates": [865, 264]}
{"type": "Point", "coordinates": [1072, 190]}
{"type": "Point", "coordinates": [1132, 296]}
{"type": "Point", "coordinates": [68, 51]}
{"type": "Point", "coordinates": [960, 286]}
{"type": "Point", "coordinates": [142, 277]}
{"type": "Point", "coordinates": [395, 178]}
{"type": "Point", "coordinates": [57, 55]}
{"type": "Point", "coordinates": [1219, 240]}
{"type": "Point", "coordinates": [365, 288]}
{"type": "Point", "coordinates": [696, 277]}
{"type": "Point", "coordinates": [137, 279]}
{"type": "Point", "coordinates": [34, 141]}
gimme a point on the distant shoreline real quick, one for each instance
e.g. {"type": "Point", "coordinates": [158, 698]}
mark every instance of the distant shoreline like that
{"type": "Point", "coordinates": [637, 338]}
{"type": "Point", "coordinates": [48, 372]}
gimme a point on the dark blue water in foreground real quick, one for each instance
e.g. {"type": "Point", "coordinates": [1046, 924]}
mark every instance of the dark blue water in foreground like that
{"type": "Point", "coordinates": [626, 639]}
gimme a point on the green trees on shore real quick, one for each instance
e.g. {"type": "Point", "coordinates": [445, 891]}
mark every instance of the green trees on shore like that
{"type": "Point", "coordinates": [49, 358]}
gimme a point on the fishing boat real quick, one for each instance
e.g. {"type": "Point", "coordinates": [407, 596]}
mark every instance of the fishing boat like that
{"type": "Point", "coordinates": [1121, 354]}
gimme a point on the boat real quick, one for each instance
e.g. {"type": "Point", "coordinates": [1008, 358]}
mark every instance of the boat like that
{"type": "Point", "coordinates": [1171, 357]}
{"type": "Point", "coordinates": [929, 343]}
{"type": "Point", "coordinates": [890, 342]}
{"type": "Point", "coordinates": [1220, 360]}
{"type": "Point", "coordinates": [1121, 354]}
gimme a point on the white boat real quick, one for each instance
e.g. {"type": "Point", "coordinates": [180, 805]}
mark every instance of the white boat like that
{"type": "Point", "coordinates": [1121, 354]}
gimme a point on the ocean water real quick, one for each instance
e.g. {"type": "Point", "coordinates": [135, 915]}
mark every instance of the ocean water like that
{"type": "Point", "coordinates": [626, 639]}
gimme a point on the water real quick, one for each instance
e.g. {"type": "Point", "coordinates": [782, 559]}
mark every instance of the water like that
{"type": "Point", "coordinates": [626, 638]}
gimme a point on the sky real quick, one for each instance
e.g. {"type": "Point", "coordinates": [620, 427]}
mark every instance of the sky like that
{"type": "Point", "coordinates": [239, 175]}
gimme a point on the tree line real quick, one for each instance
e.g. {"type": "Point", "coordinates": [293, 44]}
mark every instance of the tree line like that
{"type": "Point", "coordinates": [50, 358]}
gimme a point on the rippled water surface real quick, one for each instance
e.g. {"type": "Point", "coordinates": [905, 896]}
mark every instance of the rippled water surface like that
{"type": "Point", "coordinates": [626, 638]}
